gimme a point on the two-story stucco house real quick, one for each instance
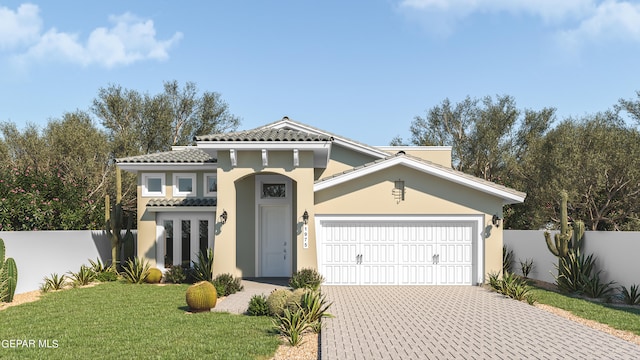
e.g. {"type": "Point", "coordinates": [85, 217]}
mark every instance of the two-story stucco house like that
{"type": "Point", "coordinates": [288, 196]}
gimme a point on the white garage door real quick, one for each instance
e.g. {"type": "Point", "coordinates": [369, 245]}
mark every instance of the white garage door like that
{"type": "Point", "coordinates": [364, 252]}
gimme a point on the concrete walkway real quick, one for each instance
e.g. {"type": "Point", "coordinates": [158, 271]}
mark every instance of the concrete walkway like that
{"type": "Point", "coordinates": [239, 302]}
{"type": "Point", "coordinates": [451, 322]}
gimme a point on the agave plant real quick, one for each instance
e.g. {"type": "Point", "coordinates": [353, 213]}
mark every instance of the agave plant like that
{"type": "Point", "coordinates": [630, 296]}
{"type": "Point", "coordinates": [203, 267]}
{"type": "Point", "coordinates": [83, 277]}
{"type": "Point", "coordinates": [54, 282]}
{"type": "Point", "coordinates": [135, 270]}
{"type": "Point", "coordinates": [315, 306]}
{"type": "Point", "coordinates": [291, 325]}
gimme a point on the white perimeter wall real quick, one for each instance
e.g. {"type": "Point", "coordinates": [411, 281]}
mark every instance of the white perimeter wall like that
{"type": "Point", "coordinates": [617, 254]}
{"type": "Point", "coordinates": [40, 253]}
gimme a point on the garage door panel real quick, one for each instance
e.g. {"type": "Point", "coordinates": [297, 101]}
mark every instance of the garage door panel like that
{"type": "Point", "coordinates": [407, 253]}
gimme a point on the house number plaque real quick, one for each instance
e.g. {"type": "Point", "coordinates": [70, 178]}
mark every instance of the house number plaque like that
{"type": "Point", "coordinates": [305, 234]}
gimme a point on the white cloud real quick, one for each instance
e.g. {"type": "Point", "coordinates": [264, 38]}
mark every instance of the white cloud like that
{"type": "Point", "coordinates": [128, 40]}
{"type": "Point", "coordinates": [611, 20]}
{"type": "Point", "coordinates": [19, 27]}
{"type": "Point", "coordinates": [574, 22]}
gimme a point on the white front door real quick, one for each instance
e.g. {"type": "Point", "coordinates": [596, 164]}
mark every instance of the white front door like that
{"type": "Point", "coordinates": [275, 241]}
{"type": "Point", "coordinates": [274, 230]}
{"type": "Point", "coordinates": [397, 252]}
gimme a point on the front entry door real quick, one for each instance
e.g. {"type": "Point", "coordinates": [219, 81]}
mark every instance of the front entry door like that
{"type": "Point", "coordinates": [275, 240]}
{"type": "Point", "coordinates": [274, 257]}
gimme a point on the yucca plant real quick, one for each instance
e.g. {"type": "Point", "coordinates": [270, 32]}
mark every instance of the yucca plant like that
{"type": "Point", "coordinates": [630, 296]}
{"type": "Point", "coordinates": [291, 325]}
{"type": "Point", "coordinates": [574, 270]}
{"type": "Point", "coordinates": [135, 270]}
{"type": "Point", "coordinates": [83, 277]}
{"type": "Point", "coordinates": [526, 267]}
{"type": "Point", "coordinates": [55, 282]}
{"type": "Point", "coordinates": [507, 259]}
{"type": "Point", "coordinates": [315, 306]}
{"type": "Point", "coordinates": [203, 267]}
{"type": "Point", "coordinates": [593, 287]}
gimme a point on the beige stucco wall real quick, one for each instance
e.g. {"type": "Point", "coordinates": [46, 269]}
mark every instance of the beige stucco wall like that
{"type": "Point", "coordinates": [234, 249]}
{"type": "Point", "coordinates": [147, 219]}
{"type": "Point", "coordinates": [342, 159]}
{"type": "Point", "coordinates": [425, 195]}
{"type": "Point", "coordinates": [440, 155]}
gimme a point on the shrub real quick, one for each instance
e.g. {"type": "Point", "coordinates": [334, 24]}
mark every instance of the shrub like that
{"type": "Point", "coordinates": [291, 325]}
{"type": "Point", "coordinates": [154, 276]}
{"type": "Point", "coordinates": [315, 307]}
{"type": "Point", "coordinates": [102, 272]}
{"type": "Point", "coordinates": [526, 267]}
{"type": "Point", "coordinates": [306, 279]}
{"type": "Point", "coordinates": [277, 301]}
{"type": "Point", "coordinates": [107, 276]}
{"type": "Point", "coordinates": [511, 285]}
{"type": "Point", "coordinates": [228, 284]}
{"type": "Point", "coordinates": [507, 259]}
{"type": "Point", "coordinates": [175, 275]}
{"type": "Point", "coordinates": [630, 296]}
{"type": "Point", "coordinates": [135, 270]}
{"type": "Point", "coordinates": [594, 288]}
{"type": "Point", "coordinates": [258, 306]}
{"type": "Point", "coordinates": [201, 296]}
{"type": "Point", "coordinates": [54, 282]}
{"type": "Point", "coordinates": [83, 277]}
{"type": "Point", "coordinates": [203, 267]}
{"type": "Point", "coordinates": [294, 299]}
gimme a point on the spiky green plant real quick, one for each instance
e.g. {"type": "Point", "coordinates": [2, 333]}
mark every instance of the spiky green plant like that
{"type": "Point", "coordinates": [292, 324]}
{"type": "Point", "coordinates": [630, 296]}
{"type": "Point", "coordinates": [315, 306]}
{"type": "Point", "coordinates": [135, 270]}
{"type": "Point", "coordinates": [83, 277]}
{"type": "Point", "coordinates": [54, 282]}
{"type": "Point", "coordinates": [507, 259]}
{"type": "Point", "coordinates": [203, 266]}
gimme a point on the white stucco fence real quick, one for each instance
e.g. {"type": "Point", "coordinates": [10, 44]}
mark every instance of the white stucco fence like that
{"type": "Point", "coordinates": [41, 253]}
{"type": "Point", "coordinates": [617, 254]}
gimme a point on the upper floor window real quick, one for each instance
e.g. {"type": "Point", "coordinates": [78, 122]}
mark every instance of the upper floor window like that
{"type": "Point", "coordinates": [210, 185]}
{"type": "Point", "coordinates": [153, 184]}
{"type": "Point", "coordinates": [184, 185]}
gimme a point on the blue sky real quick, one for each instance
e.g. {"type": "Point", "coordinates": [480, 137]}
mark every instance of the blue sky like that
{"type": "Point", "coordinates": [361, 69]}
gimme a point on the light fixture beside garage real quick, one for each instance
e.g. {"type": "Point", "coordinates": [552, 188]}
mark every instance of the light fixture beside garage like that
{"type": "Point", "coordinates": [495, 220]}
{"type": "Point", "coordinates": [398, 190]}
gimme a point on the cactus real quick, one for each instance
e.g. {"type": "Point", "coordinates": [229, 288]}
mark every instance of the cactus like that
{"type": "Point", "coordinates": [8, 276]}
{"type": "Point", "coordinates": [570, 238]}
{"type": "Point", "coordinates": [154, 276]}
{"type": "Point", "coordinates": [114, 218]}
{"type": "Point", "coordinates": [201, 296]}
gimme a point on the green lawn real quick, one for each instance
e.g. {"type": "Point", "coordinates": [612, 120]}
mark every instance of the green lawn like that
{"type": "Point", "coordinates": [118, 320]}
{"type": "Point", "coordinates": [622, 318]}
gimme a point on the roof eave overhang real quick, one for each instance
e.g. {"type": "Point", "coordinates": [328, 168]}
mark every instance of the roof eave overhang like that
{"type": "Point", "coordinates": [353, 145]}
{"type": "Point", "coordinates": [321, 149]}
{"type": "Point", "coordinates": [181, 208]}
{"type": "Point", "coordinates": [506, 196]}
{"type": "Point", "coordinates": [138, 167]}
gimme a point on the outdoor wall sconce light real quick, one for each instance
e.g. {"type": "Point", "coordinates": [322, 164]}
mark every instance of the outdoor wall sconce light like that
{"type": "Point", "coordinates": [223, 217]}
{"type": "Point", "coordinates": [305, 217]}
{"type": "Point", "coordinates": [495, 220]}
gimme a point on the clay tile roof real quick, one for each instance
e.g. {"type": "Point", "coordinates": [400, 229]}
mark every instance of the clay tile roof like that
{"type": "Point", "coordinates": [181, 202]}
{"type": "Point", "coordinates": [175, 156]}
{"type": "Point", "coordinates": [265, 134]}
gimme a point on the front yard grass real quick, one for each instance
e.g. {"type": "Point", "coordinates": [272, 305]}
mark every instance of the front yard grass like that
{"type": "Point", "coordinates": [118, 320]}
{"type": "Point", "coordinates": [618, 317]}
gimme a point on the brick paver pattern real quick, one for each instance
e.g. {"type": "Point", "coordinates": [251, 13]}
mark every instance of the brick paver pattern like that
{"type": "Point", "coordinates": [454, 322]}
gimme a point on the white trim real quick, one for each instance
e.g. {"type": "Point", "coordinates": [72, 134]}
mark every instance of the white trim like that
{"type": "Point", "coordinates": [507, 197]}
{"type": "Point", "coordinates": [176, 185]}
{"type": "Point", "coordinates": [145, 177]}
{"type": "Point", "coordinates": [233, 157]}
{"type": "Point", "coordinates": [321, 149]}
{"type": "Point", "coordinates": [265, 158]}
{"type": "Point", "coordinates": [411, 148]}
{"type": "Point", "coordinates": [296, 158]}
{"type": "Point", "coordinates": [351, 144]}
{"type": "Point", "coordinates": [140, 167]}
{"type": "Point", "coordinates": [205, 185]}
{"type": "Point", "coordinates": [477, 220]}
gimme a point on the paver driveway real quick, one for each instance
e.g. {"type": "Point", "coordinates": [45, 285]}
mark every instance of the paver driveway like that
{"type": "Point", "coordinates": [454, 322]}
